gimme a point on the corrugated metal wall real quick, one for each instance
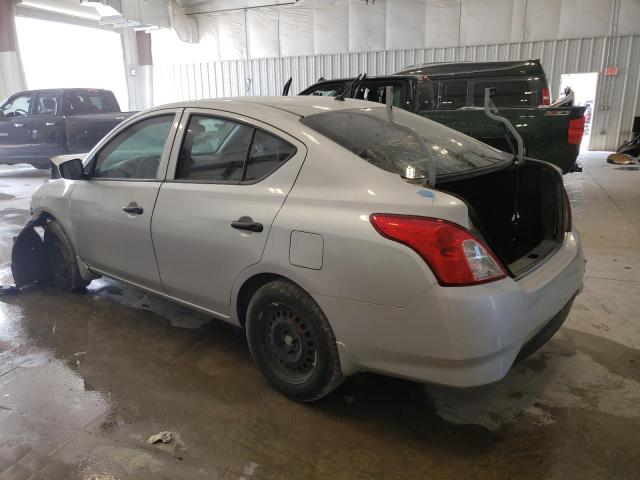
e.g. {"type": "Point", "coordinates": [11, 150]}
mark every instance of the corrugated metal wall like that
{"type": "Point", "coordinates": [618, 97]}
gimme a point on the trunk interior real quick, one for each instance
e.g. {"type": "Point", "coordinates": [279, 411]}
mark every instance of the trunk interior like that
{"type": "Point", "coordinates": [536, 191]}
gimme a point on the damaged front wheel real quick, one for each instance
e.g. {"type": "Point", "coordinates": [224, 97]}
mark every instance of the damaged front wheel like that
{"type": "Point", "coordinates": [62, 258]}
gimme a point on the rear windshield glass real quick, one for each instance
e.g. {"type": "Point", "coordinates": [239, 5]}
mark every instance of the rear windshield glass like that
{"type": "Point", "coordinates": [368, 133]}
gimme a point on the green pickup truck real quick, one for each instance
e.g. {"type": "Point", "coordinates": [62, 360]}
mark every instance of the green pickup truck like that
{"type": "Point", "coordinates": [453, 94]}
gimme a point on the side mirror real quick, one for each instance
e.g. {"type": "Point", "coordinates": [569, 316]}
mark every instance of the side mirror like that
{"type": "Point", "coordinates": [492, 91]}
{"type": "Point", "coordinates": [72, 169]}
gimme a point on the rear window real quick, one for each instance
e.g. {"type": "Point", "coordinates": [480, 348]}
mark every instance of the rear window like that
{"type": "Point", "coordinates": [509, 93]}
{"type": "Point", "coordinates": [368, 133]}
{"type": "Point", "coordinates": [86, 101]}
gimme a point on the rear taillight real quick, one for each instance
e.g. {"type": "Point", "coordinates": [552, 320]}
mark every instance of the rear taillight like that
{"type": "Point", "coordinates": [576, 130]}
{"type": "Point", "coordinates": [567, 212]}
{"type": "Point", "coordinates": [546, 98]}
{"type": "Point", "coordinates": [454, 255]}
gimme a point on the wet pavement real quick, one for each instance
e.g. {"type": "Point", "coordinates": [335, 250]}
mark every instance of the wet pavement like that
{"type": "Point", "coordinates": [86, 378]}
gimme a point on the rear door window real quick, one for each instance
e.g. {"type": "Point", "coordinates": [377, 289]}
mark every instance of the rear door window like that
{"type": "Point", "coordinates": [214, 150]}
{"type": "Point", "coordinates": [219, 150]}
{"type": "Point", "coordinates": [453, 94]}
{"type": "Point", "coordinates": [268, 152]}
{"type": "Point", "coordinates": [46, 104]}
{"type": "Point", "coordinates": [509, 93]}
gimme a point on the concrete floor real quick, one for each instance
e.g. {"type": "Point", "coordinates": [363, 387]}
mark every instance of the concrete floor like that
{"type": "Point", "coordinates": [86, 378]}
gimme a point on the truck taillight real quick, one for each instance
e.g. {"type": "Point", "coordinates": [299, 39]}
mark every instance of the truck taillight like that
{"type": "Point", "coordinates": [455, 256]}
{"type": "Point", "coordinates": [546, 98]}
{"type": "Point", "coordinates": [576, 130]}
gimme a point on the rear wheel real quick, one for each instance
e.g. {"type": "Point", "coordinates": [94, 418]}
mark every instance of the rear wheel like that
{"type": "Point", "coordinates": [62, 258]}
{"type": "Point", "coordinates": [292, 342]}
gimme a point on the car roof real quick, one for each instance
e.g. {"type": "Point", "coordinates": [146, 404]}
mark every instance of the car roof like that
{"type": "Point", "coordinates": [300, 106]}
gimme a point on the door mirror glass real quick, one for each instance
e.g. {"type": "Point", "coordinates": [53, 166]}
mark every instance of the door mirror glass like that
{"type": "Point", "coordinates": [72, 169]}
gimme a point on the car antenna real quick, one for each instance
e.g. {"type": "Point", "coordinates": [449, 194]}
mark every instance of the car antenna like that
{"type": "Point", "coordinates": [431, 180]}
{"type": "Point", "coordinates": [287, 86]}
{"type": "Point", "coordinates": [341, 96]}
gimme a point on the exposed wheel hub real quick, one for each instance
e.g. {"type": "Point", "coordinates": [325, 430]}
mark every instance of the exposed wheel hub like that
{"type": "Point", "coordinates": [291, 344]}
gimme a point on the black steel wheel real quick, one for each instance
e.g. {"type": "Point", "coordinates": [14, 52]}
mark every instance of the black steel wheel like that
{"type": "Point", "coordinates": [292, 342]}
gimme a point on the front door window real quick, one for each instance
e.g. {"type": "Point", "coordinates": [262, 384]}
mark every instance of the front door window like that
{"type": "Point", "coordinates": [134, 154]}
{"type": "Point", "coordinates": [18, 106]}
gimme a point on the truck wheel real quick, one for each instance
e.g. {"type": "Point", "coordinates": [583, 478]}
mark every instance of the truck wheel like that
{"type": "Point", "coordinates": [62, 258]}
{"type": "Point", "coordinates": [292, 342]}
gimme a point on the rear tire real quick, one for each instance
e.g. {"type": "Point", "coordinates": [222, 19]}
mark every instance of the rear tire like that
{"type": "Point", "coordinates": [62, 259]}
{"type": "Point", "coordinates": [292, 342]}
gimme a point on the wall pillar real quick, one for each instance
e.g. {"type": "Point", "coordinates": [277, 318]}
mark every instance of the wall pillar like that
{"type": "Point", "coordinates": [12, 78]}
{"type": "Point", "coordinates": [145, 67]}
{"type": "Point", "coordinates": [139, 62]}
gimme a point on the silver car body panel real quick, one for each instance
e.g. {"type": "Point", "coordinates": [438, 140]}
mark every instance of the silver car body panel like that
{"type": "Point", "coordinates": [388, 312]}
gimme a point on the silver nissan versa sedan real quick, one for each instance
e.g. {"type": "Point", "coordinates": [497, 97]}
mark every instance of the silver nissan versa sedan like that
{"type": "Point", "coordinates": [342, 235]}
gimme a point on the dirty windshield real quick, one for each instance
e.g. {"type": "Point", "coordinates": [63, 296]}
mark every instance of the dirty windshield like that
{"type": "Point", "coordinates": [368, 133]}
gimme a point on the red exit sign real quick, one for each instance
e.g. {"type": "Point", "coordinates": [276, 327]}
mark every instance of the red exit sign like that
{"type": "Point", "coordinates": [611, 71]}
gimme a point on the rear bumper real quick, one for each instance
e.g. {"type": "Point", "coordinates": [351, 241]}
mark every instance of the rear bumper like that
{"type": "Point", "coordinates": [458, 336]}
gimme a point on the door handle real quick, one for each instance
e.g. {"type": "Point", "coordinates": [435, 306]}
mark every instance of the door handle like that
{"type": "Point", "coordinates": [49, 124]}
{"type": "Point", "coordinates": [133, 208]}
{"type": "Point", "coordinates": [18, 125]}
{"type": "Point", "coordinates": [247, 223]}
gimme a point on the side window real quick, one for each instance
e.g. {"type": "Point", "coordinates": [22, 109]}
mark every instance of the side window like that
{"type": "Point", "coordinates": [213, 149]}
{"type": "Point", "coordinates": [46, 104]}
{"type": "Point", "coordinates": [453, 94]}
{"type": "Point", "coordinates": [509, 93]}
{"type": "Point", "coordinates": [376, 92]}
{"type": "Point", "coordinates": [134, 154]}
{"type": "Point", "coordinates": [328, 90]}
{"type": "Point", "coordinates": [267, 153]}
{"type": "Point", "coordinates": [425, 95]}
{"type": "Point", "coordinates": [18, 106]}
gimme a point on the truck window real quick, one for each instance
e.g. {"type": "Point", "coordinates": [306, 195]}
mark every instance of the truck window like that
{"type": "Point", "coordinates": [376, 92]}
{"type": "Point", "coordinates": [328, 90]}
{"type": "Point", "coordinates": [453, 94]}
{"type": "Point", "coordinates": [81, 102]}
{"type": "Point", "coordinates": [509, 93]}
{"type": "Point", "coordinates": [18, 106]}
{"type": "Point", "coordinates": [46, 104]}
{"type": "Point", "coordinates": [425, 95]}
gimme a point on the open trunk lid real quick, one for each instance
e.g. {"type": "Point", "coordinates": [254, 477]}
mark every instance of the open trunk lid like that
{"type": "Point", "coordinates": [520, 211]}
